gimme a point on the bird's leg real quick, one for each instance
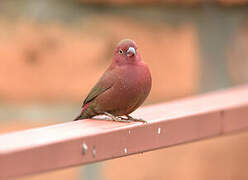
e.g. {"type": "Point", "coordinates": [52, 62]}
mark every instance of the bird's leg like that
{"type": "Point", "coordinates": [133, 119]}
{"type": "Point", "coordinates": [114, 118]}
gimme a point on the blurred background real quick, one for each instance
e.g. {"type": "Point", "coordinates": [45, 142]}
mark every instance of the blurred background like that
{"type": "Point", "coordinates": [53, 52]}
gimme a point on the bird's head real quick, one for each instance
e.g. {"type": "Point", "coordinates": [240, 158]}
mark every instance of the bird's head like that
{"type": "Point", "coordinates": [126, 52]}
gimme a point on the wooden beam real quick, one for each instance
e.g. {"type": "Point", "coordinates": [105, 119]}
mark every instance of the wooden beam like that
{"type": "Point", "coordinates": [81, 142]}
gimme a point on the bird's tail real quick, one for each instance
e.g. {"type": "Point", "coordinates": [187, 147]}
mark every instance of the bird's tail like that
{"type": "Point", "coordinates": [82, 114]}
{"type": "Point", "coordinates": [78, 117]}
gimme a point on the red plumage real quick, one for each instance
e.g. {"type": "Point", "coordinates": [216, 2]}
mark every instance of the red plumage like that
{"type": "Point", "coordinates": [122, 88]}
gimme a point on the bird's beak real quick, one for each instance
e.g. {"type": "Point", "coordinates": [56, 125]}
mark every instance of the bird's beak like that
{"type": "Point", "coordinates": [131, 51]}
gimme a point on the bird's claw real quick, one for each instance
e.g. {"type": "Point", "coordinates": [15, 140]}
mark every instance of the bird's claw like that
{"type": "Point", "coordinates": [130, 118]}
{"type": "Point", "coordinates": [117, 119]}
{"type": "Point", "coordinates": [122, 119]}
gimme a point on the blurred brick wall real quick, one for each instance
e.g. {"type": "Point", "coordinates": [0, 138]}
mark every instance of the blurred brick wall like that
{"type": "Point", "coordinates": [54, 63]}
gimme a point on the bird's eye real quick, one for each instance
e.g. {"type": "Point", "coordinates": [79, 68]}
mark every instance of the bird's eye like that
{"type": "Point", "coordinates": [121, 52]}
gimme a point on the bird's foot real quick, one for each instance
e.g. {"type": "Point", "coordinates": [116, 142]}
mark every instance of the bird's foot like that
{"type": "Point", "coordinates": [117, 119]}
{"type": "Point", "coordinates": [130, 118]}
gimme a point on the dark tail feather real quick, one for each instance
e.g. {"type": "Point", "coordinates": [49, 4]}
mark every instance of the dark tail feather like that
{"type": "Point", "coordinates": [82, 114]}
{"type": "Point", "coordinates": [78, 117]}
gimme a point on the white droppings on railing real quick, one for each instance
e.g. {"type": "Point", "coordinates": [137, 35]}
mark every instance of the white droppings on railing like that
{"type": "Point", "coordinates": [94, 151]}
{"type": "Point", "coordinates": [85, 148]}
{"type": "Point", "coordinates": [159, 130]}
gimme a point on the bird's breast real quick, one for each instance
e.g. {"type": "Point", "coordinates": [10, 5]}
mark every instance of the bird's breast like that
{"type": "Point", "coordinates": [133, 80]}
{"type": "Point", "coordinates": [131, 87]}
{"type": "Point", "coordinates": [133, 84]}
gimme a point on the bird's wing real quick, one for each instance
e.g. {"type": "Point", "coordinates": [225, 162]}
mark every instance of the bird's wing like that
{"type": "Point", "coordinates": [105, 83]}
{"type": "Point", "coordinates": [95, 91]}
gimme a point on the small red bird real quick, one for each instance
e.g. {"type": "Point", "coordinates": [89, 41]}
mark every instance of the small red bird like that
{"type": "Point", "coordinates": [122, 88]}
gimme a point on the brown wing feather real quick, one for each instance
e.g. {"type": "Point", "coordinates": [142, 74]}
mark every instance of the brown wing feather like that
{"type": "Point", "coordinates": [105, 83]}
{"type": "Point", "coordinates": [95, 91]}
